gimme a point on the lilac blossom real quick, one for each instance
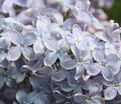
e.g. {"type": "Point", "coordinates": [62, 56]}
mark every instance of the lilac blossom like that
{"type": "Point", "coordinates": [114, 88]}
{"type": "Point", "coordinates": [80, 39]}
{"type": "Point", "coordinates": [104, 64]}
{"type": "Point", "coordinates": [58, 52]}
{"type": "Point", "coordinates": [22, 43]}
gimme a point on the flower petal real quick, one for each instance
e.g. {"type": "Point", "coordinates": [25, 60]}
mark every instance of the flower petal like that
{"type": "Point", "coordinates": [29, 38]}
{"type": "Point", "coordinates": [98, 55]}
{"type": "Point", "coordinates": [67, 62]}
{"type": "Point", "coordinates": [15, 37]}
{"type": "Point", "coordinates": [79, 72]}
{"type": "Point", "coordinates": [79, 98]}
{"type": "Point", "coordinates": [7, 5]}
{"type": "Point", "coordinates": [59, 76]}
{"type": "Point", "coordinates": [14, 53]}
{"type": "Point", "coordinates": [94, 69]}
{"type": "Point", "coordinates": [84, 17]}
{"type": "Point", "coordinates": [38, 65]}
{"type": "Point", "coordinates": [76, 30]}
{"type": "Point", "coordinates": [119, 89]}
{"type": "Point", "coordinates": [70, 38]}
{"type": "Point", "coordinates": [28, 53]}
{"type": "Point", "coordinates": [50, 58]}
{"type": "Point", "coordinates": [101, 36]}
{"type": "Point", "coordinates": [42, 24]}
{"type": "Point", "coordinates": [75, 51]}
{"type": "Point", "coordinates": [20, 2]}
{"type": "Point", "coordinates": [20, 96]}
{"type": "Point", "coordinates": [38, 46]}
{"type": "Point", "coordinates": [2, 81]}
{"type": "Point", "coordinates": [116, 68]}
{"type": "Point", "coordinates": [110, 93]}
{"type": "Point", "coordinates": [107, 74]}
{"type": "Point", "coordinates": [97, 24]}
{"type": "Point", "coordinates": [51, 44]}
{"type": "Point", "coordinates": [111, 59]}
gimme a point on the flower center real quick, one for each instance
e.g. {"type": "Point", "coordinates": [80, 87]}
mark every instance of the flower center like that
{"type": "Point", "coordinates": [103, 64]}
{"type": "Point", "coordinates": [80, 60]}
{"type": "Point", "coordinates": [116, 84]}
{"type": "Point", "coordinates": [77, 41]}
{"type": "Point", "coordinates": [21, 45]}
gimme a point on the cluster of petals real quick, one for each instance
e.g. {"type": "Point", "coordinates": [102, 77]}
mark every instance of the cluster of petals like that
{"type": "Point", "coordinates": [58, 52]}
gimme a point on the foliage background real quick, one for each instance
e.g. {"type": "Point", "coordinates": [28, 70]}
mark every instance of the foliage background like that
{"type": "Point", "coordinates": [115, 12]}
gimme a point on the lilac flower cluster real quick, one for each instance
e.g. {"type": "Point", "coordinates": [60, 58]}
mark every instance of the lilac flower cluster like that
{"type": "Point", "coordinates": [58, 52]}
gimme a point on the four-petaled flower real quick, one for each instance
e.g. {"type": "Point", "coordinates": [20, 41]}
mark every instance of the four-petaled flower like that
{"type": "Point", "coordinates": [22, 43]}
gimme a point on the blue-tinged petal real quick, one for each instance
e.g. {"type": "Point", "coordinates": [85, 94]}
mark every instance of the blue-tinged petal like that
{"type": "Point", "coordinates": [98, 55]}
{"type": "Point", "coordinates": [7, 5]}
{"type": "Point", "coordinates": [59, 76]}
{"type": "Point", "coordinates": [38, 46]}
{"type": "Point", "coordinates": [2, 56]}
{"type": "Point", "coordinates": [67, 62]}
{"type": "Point", "coordinates": [5, 42]}
{"type": "Point", "coordinates": [40, 81]}
{"type": "Point", "coordinates": [79, 72]}
{"type": "Point", "coordinates": [79, 98]}
{"type": "Point", "coordinates": [50, 58]}
{"type": "Point", "coordinates": [28, 53]}
{"type": "Point", "coordinates": [58, 17]}
{"type": "Point", "coordinates": [20, 2]}
{"type": "Point", "coordinates": [115, 35]}
{"type": "Point", "coordinates": [116, 68]}
{"type": "Point", "coordinates": [70, 78]}
{"type": "Point", "coordinates": [70, 38]}
{"type": "Point", "coordinates": [38, 65]}
{"type": "Point", "coordinates": [111, 59]}
{"type": "Point", "coordinates": [94, 69]}
{"type": "Point", "coordinates": [51, 44]}
{"type": "Point", "coordinates": [37, 97]}
{"type": "Point", "coordinates": [110, 93]}
{"type": "Point", "coordinates": [29, 39]}
{"type": "Point", "coordinates": [55, 28]}
{"type": "Point", "coordinates": [2, 81]}
{"type": "Point", "coordinates": [78, 89]}
{"type": "Point", "coordinates": [14, 53]}
{"type": "Point", "coordinates": [97, 24]}
{"type": "Point", "coordinates": [68, 23]}
{"type": "Point", "coordinates": [76, 51]}
{"type": "Point", "coordinates": [59, 96]}
{"type": "Point", "coordinates": [42, 25]}
{"type": "Point", "coordinates": [20, 78]}
{"type": "Point", "coordinates": [101, 35]}
{"type": "Point", "coordinates": [20, 96]}
{"type": "Point", "coordinates": [119, 89]}
{"type": "Point", "coordinates": [15, 37]}
{"type": "Point", "coordinates": [94, 89]}
{"type": "Point", "coordinates": [84, 17]}
{"type": "Point", "coordinates": [65, 87]}
{"type": "Point", "coordinates": [110, 48]}
{"type": "Point", "coordinates": [46, 71]}
{"type": "Point", "coordinates": [107, 74]}
{"type": "Point", "coordinates": [76, 30]}
{"type": "Point", "coordinates": [98, 100]}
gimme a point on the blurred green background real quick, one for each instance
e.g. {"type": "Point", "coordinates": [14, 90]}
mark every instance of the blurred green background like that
{"type": "Point", "coordinates": [115, 12]}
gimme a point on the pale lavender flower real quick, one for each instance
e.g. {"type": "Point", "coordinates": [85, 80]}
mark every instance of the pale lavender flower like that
{"type": "Point", "coordinates": [81, 39]}
{"type": "Point", "coordinates": [56, 49]}
{"type": "Point", "coordinates": [114, 87]}
{"type": "Point", "coordinates": [103, 64]}
{"type": "Point", "coordinates": [22, 44]}
{"type": "Point", "coordinates": [111, 33]}
{"type": "Point", "coordinates": [81, 12]}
